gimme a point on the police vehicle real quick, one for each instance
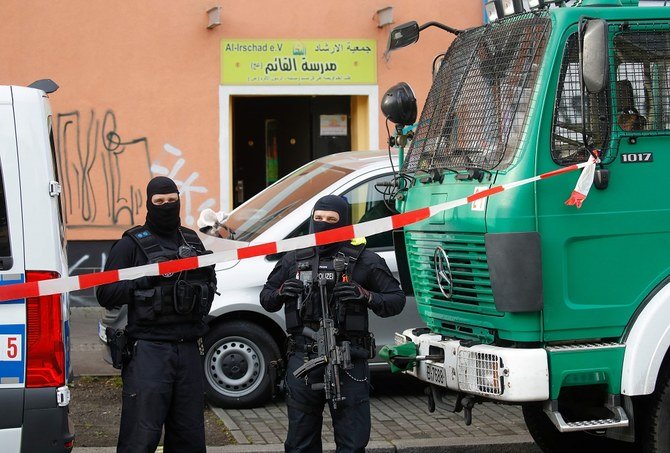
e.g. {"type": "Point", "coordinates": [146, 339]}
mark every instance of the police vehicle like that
{"type": "Point", "coordinates": [245, 343]}
{"type": "Point", "coordinates": [34, 332]}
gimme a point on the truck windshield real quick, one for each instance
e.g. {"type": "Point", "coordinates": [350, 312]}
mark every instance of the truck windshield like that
{"type": "Point", "coordinates": [258, 214]}
{"type": "Point", "coordinates": [476, 109]}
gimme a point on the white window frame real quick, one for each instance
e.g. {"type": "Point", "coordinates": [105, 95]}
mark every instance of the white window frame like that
{"type": "Point", "coordinates": [225, 119]}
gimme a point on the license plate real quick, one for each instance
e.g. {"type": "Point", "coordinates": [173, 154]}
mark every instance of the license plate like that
{"type": "Point", "coordinates": [436, 375]}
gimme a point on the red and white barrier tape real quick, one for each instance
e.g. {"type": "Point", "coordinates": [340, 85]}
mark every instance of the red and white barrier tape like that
{"type": "Point", "coordinates": [84, 281]}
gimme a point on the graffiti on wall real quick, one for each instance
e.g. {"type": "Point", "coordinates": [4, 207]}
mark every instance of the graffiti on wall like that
{"type": "Point", "coordinates": [86, 257]}
{"type": "Point", "coordinates": [104, 173]}
{"type": "Point", "coordinates": [99, 170]}
{"type": "Point", "coordinates": [185, 180]}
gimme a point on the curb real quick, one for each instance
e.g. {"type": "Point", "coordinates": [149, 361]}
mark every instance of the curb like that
{"type": "Point", "coordinates": [502, 444]}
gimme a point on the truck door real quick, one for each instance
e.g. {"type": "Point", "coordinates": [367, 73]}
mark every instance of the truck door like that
{"type": "Point", "coordinates": [600, 261]}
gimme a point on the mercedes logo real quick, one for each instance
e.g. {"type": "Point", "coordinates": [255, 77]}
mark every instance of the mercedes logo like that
{"type": "Point", "coordinates": [443, 272]}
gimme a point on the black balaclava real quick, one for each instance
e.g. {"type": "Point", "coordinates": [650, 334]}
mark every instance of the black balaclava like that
{"type": "Point", "coordinates": [329, 203]}
{"type": "Point", "coordinates": [163, 219]}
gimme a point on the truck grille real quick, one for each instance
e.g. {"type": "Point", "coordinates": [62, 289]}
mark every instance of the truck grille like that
{"type": "Point", "coordinates": [471, 289]}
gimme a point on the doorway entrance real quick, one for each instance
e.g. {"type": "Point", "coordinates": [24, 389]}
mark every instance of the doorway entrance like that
{"type": "Point", "coordinates": [274, 135]}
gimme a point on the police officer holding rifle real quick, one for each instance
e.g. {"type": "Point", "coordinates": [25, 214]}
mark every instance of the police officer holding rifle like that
{"type": "Point", "coordinates": [326, 292]}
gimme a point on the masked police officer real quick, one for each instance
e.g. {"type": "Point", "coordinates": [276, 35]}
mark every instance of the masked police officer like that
{"type": "Point", "coordinates": [162, 371]}
{"type": "Point", "coordinates": [363, 283]}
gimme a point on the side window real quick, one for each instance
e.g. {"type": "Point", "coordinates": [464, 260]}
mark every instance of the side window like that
{"type": "Point", "coordinates": [5, 248]}
{"type": "Point", "coordinates": [367, 203]}
{"type": "Point", "coordinates": [302, 230]}
{"type": "Point", "coordinates": [56, 175]}
{"type": "Point", "coordinates": [567, 142]}
{"type": "Point", "coordinates": [642, 90]}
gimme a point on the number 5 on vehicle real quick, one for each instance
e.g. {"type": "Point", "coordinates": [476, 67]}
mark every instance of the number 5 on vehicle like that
{"type": "Point", "coordinates": [11, 348]}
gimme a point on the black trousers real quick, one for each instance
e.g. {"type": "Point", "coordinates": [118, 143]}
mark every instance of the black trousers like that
{"type": "Point", "coordinates": [351, 419]}
{"type": "Point", "coordinates": [163, 385]}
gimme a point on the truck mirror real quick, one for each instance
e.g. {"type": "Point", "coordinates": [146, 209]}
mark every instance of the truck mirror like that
{"type": "Point", "coordinates": [403, 35]}
{"type": "Point", "coordinates": [595, 60]}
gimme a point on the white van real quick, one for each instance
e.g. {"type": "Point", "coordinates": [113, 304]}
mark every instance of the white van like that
{"type": "Point", "coordinates": [34, 332]}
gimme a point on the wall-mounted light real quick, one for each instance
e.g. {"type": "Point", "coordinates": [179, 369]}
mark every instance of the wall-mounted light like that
{"type": "Point", "coordinates": [384, 16]}
{"type": "Point", "coordinates": [214, 17]}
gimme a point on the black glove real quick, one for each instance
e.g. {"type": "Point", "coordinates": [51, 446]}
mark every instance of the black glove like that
{"type": "Point", "coordinates": [290, 289]}
{"type": "Point", "coordinates": [351, 292]}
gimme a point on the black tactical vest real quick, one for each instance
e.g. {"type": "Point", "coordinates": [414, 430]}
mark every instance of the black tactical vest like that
{"type": "Point", "coordinates": [351, 319]}
{"type": "Point", "coordinates": [183, 297]}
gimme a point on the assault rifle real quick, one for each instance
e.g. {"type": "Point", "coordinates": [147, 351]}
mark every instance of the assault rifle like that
{"type": "Point", "coordinates": [332, 356]}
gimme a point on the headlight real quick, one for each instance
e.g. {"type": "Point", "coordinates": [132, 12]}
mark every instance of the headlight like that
{"type": "Point", "coordinates": [480, 373]}
{"type": "Point", "coordinates": [399, 104]}
{"type": "Point", "coordinates": [497, 9]}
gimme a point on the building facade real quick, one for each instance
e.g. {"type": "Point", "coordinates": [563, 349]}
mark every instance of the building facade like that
{"type": "Point", "coordinates": [224, 105]}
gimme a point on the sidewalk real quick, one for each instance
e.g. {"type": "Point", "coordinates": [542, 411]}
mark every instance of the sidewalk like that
{"type": "Point", "coordinates": [400, 418]}
{"type": "Point", "coordinates": [399, 423]}
{"type": "Point", "coordinates": [505, 444]}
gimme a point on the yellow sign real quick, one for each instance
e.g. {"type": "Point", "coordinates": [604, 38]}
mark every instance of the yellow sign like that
{"type": "Point", "coordinates": [298, 62]}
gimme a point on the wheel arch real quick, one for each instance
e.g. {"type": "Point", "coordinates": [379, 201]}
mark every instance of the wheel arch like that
{"type": "Point", "coordinates": [647, 341]}
{"type": "Point", "coordinates": [275, 330]}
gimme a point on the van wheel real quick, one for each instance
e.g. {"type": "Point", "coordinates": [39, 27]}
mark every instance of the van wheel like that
{"type": "Point", "coordinates": [551, 440]}
{"type": "Point", "coordinates": [657, 435]}
{"type": "Point", "coordinates": [237, 364]}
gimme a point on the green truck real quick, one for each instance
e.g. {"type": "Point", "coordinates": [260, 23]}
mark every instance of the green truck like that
{"type": "Point", "coordinates": [527, 300]}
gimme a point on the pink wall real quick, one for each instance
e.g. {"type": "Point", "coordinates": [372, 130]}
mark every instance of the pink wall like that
{"type": "Point", "coordinates": [139, 84]}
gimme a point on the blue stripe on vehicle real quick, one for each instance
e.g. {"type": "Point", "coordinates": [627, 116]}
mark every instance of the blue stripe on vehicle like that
{"type": "Point", "coordinates": [13, 371]}
{"type": "Point", "coordinates": [10, 279]}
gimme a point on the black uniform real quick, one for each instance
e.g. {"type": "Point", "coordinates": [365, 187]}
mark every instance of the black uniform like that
{"type": "Point", "coordinates": [351, 418]}
{"type": "Point", "coordinates": [163, 383]}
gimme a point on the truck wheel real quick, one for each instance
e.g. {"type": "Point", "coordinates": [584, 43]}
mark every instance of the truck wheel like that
{"type": "Point", "coordinates": [237, 364]}
{"type": "Point", "coordinates": [657, 435]}
{"type": "Point", "coordinates": [551, 440]}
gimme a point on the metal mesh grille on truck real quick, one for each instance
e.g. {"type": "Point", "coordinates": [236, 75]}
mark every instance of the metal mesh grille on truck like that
{"type": "Point", "coordinates": [637, 102]}
{"type": "Point", "coordinates": [476, 108]}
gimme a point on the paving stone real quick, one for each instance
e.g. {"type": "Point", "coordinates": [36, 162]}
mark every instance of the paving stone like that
{"type": "Point", "coordinates": [404, 421]}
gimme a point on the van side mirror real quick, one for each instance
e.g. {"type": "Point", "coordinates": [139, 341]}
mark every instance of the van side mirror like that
{"type": "Point", "coordinates": [595, 55]}
{"type": "Point", "coordinates": [403, 35]}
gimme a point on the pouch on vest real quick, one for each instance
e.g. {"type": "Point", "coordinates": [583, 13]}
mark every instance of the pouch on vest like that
{"type": "Point", "coordinates": [352, 317]}
{"type": "Point", "coordinates": [295, 309]}
{"type": "Point", "coordinates": [192, 297]}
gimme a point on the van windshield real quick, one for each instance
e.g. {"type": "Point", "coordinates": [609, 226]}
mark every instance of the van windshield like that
{"type": "Point", "coordinates": [258, 214]}
{"type": "Point", "coordinates": [477, 107]}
